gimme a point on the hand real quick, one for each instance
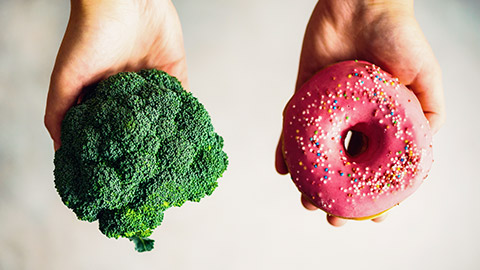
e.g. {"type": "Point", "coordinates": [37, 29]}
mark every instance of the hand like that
{"type": "Point", "coordinates": [382, 32]}
{"type": "Point", "coordinates": [104, 37]}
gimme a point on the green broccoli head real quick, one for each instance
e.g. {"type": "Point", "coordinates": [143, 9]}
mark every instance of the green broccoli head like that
{"type": "Point", "coordinates": [134, 147]}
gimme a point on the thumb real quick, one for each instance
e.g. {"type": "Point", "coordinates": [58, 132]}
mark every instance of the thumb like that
{"type": "Point", "coordinates": [280, 164]}
{"type": "Point", "coordinates": [62, 95]}
{"type": "Point", "coordinates": [428, 88]}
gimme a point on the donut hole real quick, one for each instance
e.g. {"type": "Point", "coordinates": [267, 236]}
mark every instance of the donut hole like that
{"type": "Point", "coordinates": [355, 143]}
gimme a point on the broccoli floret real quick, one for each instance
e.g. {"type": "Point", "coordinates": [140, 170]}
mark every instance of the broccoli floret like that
{"type": "Point", "coordinates": [136, 146]}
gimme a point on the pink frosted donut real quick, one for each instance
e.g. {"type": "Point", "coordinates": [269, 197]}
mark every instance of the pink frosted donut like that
{"type": "Point", "coordinates": [356, 141]}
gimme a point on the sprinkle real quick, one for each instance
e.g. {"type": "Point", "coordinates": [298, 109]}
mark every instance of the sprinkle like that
{"type": "Point", "coordinates": [325, 177]}
{"type": "Point", "coordinates": [349, 175]}
{"type": "Point", "coordinates": [341, 174]}
{"type": "Point", "coordinates": [326, 169]}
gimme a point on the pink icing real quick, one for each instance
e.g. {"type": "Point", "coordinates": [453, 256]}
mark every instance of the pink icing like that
{"type": "Point", "coordinates": [356, 95]}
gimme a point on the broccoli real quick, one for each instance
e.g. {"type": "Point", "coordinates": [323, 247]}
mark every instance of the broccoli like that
{"type": "Point", "coordinates": [136, 146]}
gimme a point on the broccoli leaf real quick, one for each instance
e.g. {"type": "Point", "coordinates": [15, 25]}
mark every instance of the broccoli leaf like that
{"type": "Point", "coordinates": [142, 243]}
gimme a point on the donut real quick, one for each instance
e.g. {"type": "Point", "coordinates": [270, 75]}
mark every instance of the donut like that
{"type": "Point", "coordinates": [356, 141]}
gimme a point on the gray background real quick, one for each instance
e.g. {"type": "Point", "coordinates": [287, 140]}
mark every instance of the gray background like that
{"type": "Point", "coordinates": [242, 58]}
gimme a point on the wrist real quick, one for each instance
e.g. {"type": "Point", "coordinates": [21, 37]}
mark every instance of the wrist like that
{"type": "Point", "coordinates": [113, 5]}
{"type": "Point", "coordinates": [393, 7]}
{"type": "Point", "coordinates": [365, 8]}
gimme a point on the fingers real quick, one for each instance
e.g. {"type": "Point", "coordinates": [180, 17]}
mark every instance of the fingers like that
{"type": "Point", "coordinates": [336, 221]}
{"type": "Point", "coordinates": [380, 218]}
{"type": "Point", "coordinates": [428, 88]}
{"type": "Point", "coordinates": [280, 164]}
{"type": "Point", "coordinates": [333, 220]}
{"type": "Point", "coordinates": [307, 203]}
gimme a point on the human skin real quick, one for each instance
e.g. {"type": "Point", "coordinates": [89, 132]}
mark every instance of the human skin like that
{"type": "Point", "coordinates": [385, 33]}
{"type": "Point", "coordinates": [104, 37]}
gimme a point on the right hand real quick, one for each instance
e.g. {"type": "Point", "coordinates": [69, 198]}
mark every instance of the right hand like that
{"type": "Point", "coordinates": [381, 32]}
